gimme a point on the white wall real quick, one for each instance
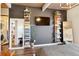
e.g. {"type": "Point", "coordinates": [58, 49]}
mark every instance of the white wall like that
{"type": "Point", "coordinates": [73, 15]}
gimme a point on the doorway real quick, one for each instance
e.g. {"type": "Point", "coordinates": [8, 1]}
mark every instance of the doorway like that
{"type": "Point", "coordinates": [16, 33]}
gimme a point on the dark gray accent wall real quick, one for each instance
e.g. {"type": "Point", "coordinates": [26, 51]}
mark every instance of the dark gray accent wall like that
{"type": "Point", "coordinates": [17, 11]}
{"type": "Point", "coordinates": [64, 15]}
{"type": "Point", "coordinates": [42, 34]}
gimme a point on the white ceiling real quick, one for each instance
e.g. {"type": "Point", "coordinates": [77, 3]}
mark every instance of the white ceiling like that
{"type": "Point", "coordinates": [40, 5]}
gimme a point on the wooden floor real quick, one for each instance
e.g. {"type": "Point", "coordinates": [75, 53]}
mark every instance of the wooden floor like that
{"type": "Point", "coordinates": [53, 50]}
{"type": "Point", "coordinates": [6, 52]}
{"type": "Point", "coordinates": [24, 52]}
{"type": "Point", "coordinates": [40, 52]}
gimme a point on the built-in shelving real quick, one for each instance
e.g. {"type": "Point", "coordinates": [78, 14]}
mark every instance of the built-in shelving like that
{"type": "Point", "coordinates": [27, 28]}
{"type": "Point", "coordinates": [57, 27]}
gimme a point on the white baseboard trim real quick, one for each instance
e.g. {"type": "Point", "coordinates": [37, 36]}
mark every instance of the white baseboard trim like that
{"type": "Point", "coordinates": [42, 45]}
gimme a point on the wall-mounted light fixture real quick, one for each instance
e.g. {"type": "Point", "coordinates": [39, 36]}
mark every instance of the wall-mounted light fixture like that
{"type": "Point", "coordinates": [38, 19]}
